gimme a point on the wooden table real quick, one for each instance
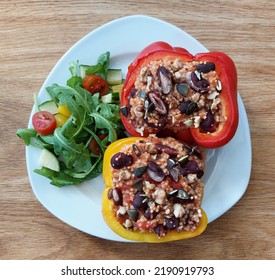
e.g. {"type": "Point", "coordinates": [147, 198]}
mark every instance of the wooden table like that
{"type": "Point", "coordinates": [35, 34]}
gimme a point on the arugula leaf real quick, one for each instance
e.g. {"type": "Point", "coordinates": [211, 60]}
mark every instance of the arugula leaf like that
{"type": "Point", "coordinates": [82, 175]}
{"type": "Point", "coordinates": [104, 59]}
{"type": "Point", "coordinates": [101, 122]}
{"type": "Point", "coordinates": [58, 179]}
{"type": "Point", "coordinates": [101, 67]}
{"type": "Point", "coordinates": [109, 111]}
{"type": "Point", "coordinates": [30, 137]}
{"type": "Point", "coordinates": [74, 68]}
{"type": "Point", "coordinates": [75, 156]}
{"type": "Point", "coordinates": [79, 118]}
{"type": "Point", "coordinates": [75, 72]}
{"type": "Point", "coordinates": [85, 99]}
{"type": "Point", "coordinates": [90, 117]}
{"type": "Point", "coordinates": [74, 81]}
{"type": "Point", "coordinates": [26, 134]}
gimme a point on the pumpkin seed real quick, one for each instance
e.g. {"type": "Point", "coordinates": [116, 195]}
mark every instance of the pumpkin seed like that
{"type": "Point", "coordinates": [172, 194]}
{"type": "Point", "coordinates": [133, 214]}
{"type": "Point", "coordinates": [192, 107]}
{"type": "Point", "coordinates": [136, 150]}
{"type": "Point", "coordinates": [183, 160]}
{"type": "Point", "coordinates": [139, 171]}
{"type": "Point", "coordinates": [171, 163]}
{"type": "Point", "coordinates": [182, 89]}
{"type": "Point", "coordinates": [174, 173]}
{"type": "Point", "coordinates": [188, 107]}
{"type": "Point", "coordinates": [183, 195]}
{"type": "Point", "coordinates": [187, 149]}
{"type": "Point", "coordinates": [142, 95]}
{"type": "Point", "coordinates": [138, 184]}
{"type": "Point", "coordinates": [124, 111]}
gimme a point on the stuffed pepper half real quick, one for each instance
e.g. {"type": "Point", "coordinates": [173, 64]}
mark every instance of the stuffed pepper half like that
{"type": "Point", "coordinates": [154, 189]}
{"type": "Point", "coordinates": [169, 89]}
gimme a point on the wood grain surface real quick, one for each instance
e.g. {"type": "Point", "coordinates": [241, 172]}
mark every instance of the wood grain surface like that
{"type": "Point", "coordinates": [35, 34]}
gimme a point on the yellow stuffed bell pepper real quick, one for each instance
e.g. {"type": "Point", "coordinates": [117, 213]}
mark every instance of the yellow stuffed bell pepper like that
{"type": "Point", "coordinates": [148, 195]}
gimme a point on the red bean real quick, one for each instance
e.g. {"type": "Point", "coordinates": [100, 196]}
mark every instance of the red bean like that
{"type": "Point", "coordinates": [206, 67]}
{"type": "Point", "coordinates": [160, 230]}
{"type": "Point", "coordinates": [159, 104]}
{"type": "Point", "coordinates": [166, 149]}
{"type": "Point", "coordinates": [120, 160]}
{"type": "Point", "coordinates": [117, 196]}
{"type": "Point", "coordinates": [139, 201]}
{"type": "Point", "coordinates": [165, 78]}
{"type": "Point", "coordinates": [155, 172]}
{"type": "Point", "coordinates": [172, 223]}
{"type": "Point", "coordinates": [208, 124]}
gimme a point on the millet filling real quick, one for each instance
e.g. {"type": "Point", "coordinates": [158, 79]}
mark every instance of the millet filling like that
{"type": "Point", "coordinates": [157, 185]}
{"type": "Point", "coordinates": [175, 95]}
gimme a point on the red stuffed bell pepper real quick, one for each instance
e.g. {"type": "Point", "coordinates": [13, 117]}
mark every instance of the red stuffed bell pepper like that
{"type": "Point", "coordinates": [168, 91]}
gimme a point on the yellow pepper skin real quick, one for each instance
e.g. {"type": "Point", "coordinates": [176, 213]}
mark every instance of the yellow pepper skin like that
{"type": "Point", "coordinates": [60, 119]}
{"type": "Point", "coordinates": [110, 216]}
{"type": "Point", "coordinates": [63, 109]}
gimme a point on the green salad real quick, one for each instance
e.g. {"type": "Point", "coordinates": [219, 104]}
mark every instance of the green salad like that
{"type": "Point", "coordinates": [77, 123]}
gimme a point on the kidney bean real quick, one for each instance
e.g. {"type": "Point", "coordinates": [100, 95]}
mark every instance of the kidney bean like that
{"type": "Point", "coordinates": [159, 124]}
{"type": "Point", "coordinates": [159, 104]}
{"type": "Point", "coordinates": [166, 149]}
{"type": "Point", "coordinates": [120, 160]}
{"type": "Point", "coordinates": [155, 172]}
{"type": "Point", "coordinates": [139, 201]}
{"type": "Point", "coordinates": [150, 215]}
{"type": "Point", "coordinates": [160, 230]}
{"type": "Point", "coordinates": [117, 196]}
{"type": "Point", "coordinates": [171, 223]}
{"type": "Point", "coordinates": [207, 124]}
{"type": "Point", "coordinates": [206, 67]}
{"type": "Point", "coordinates": [165, 78]}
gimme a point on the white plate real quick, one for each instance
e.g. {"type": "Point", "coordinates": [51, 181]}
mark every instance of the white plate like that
{"type": "Point", "coordinates": [228, 168]}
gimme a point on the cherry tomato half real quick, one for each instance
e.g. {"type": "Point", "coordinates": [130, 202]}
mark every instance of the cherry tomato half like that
{"type": "Point", "coordinates": [94, 147]}
{"type": "Point", "coordinates": [94, 84]}
{"type": "Point", "coordinates": [44, 122]}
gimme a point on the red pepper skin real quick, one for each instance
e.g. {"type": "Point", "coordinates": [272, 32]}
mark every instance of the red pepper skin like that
{"type": "Point", "coordinates": [227, 74]}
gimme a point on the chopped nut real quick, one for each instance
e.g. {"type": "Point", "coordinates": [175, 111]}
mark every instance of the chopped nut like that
{"type": "Point", "coordinates": [159, 196]}
{"type": "Point", "coordinates": [178, 210]}
{"type": "Point", "coordinates": [191, 178]}
{"type": "Point", "coordinates": [121, 210]}
{"type": "Point", "coordinates": [215, 103]}
{"type": "Point", "coordinates": [197, 120]}
{"type": "Point", "coordinates": [149, 186]}
{"type": "Point", "coordinates": [124, 175]}
{"type": "Point", "coordinates": [128, 223]}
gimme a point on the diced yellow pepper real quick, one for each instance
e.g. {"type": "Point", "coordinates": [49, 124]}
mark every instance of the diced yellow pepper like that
{"type": "Point", "coordinates": [63, 109]}
{"type": "Point", "coordinates": [60, 119]}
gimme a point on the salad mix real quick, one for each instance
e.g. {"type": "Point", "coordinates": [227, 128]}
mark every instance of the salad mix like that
{"type": "Point", "coordinates": [76, 125]}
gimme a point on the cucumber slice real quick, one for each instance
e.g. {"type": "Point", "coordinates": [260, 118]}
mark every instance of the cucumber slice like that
{"type": "Point", "coordinates": [110, 98]}
{"type": "Point", "coordinates": [49, 106]}
{"type": "Point", "coordinates": [114, 76]}
{"type": "Point", "coordinates": [49, 160]}
{"type": "Point", "coordinates": [82, 70]}
{"type": "Point", "coordinates": [117, 88]}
